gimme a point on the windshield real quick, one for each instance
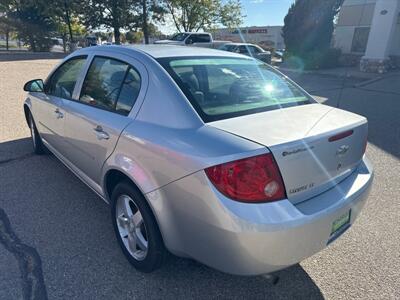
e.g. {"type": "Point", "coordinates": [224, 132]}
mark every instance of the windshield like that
{"type": "Point", "coordinates": [221, 88]}
{"type": "Point", "coordinates": [179, 37]}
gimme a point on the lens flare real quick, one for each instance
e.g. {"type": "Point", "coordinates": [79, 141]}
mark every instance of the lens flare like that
{"type": "Point", "coordinates": [269, 88]}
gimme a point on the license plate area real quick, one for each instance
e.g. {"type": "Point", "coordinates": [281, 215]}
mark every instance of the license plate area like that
{"type": "Point", "coordinates": [339, 226]}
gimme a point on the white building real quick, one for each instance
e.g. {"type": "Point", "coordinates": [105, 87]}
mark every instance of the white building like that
{"type": "Point", "coordinates": [370, 29]}
{"type": "Point", "coordinates": [266, 36]}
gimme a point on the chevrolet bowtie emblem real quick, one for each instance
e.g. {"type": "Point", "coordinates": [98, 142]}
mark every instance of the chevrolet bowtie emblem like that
{"type": "Point", "coordinates": [342, 150]}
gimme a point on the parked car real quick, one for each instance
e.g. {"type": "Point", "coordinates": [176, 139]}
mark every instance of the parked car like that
{"type": "Point", "coordinates": [249, 50]}
{"type": "Point", "coordinates": [203, 153]}
{"type": "Point", "coordinates": [280, 53]}
{"type": "Point", "coordinates": [90, 41]}
{"type": "Point", "coordinates": [194, 39]}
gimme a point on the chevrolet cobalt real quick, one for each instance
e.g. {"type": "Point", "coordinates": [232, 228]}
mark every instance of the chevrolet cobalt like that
{"type": "Point", "coordinates": [203, 153]}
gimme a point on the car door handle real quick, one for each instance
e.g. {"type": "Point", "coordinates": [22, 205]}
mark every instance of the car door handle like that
{"type": "Point", "coordinates": [100, 133]}
{"type": "Point", "coordinates": [60, 115]}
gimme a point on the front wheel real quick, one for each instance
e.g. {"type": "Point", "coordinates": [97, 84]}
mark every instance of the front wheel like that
{"type": "Point", "coordinates": [136, 229]}
{"type": "Point", "coordinates": [37, 143]}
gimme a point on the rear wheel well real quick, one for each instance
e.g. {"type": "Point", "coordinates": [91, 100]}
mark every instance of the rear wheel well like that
{"type": "Point", "coordinates": [113, 177]}
{"type": "Point", "coordinates": [27, 112]}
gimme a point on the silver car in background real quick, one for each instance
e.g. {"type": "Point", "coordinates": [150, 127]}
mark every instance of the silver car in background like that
{"type": "Point", "coordinates": [249, 50]}
{"type": "Point", "coordinates": [203, 153]}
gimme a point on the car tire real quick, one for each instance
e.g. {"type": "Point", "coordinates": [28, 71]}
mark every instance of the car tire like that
{"type": "Point", "coordinates": [38, 147]}
{"type": "Point", "coordinates": [136, 229]}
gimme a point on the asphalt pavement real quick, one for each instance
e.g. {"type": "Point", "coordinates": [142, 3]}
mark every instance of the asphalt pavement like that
{"type": "Point", "coordinates": [57, 242]}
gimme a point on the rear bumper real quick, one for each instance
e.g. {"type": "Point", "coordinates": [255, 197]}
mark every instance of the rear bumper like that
{"type": "Point", "coordinates": [252, 239]}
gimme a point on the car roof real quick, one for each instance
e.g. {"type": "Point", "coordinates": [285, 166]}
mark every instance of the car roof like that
{"type": "Point", "coordinates": [162, 51]}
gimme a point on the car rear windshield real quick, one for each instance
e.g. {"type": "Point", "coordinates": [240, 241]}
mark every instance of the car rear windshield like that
{"type": "Point", "coordinates": [221, 88]}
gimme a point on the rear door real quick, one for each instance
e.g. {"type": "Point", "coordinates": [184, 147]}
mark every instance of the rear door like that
{"type": "Point", "coordinates": [101, 109]}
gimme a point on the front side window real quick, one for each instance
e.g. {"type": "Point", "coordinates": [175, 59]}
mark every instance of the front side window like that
{"type": "Point", "coordinates": [111, 84]}
{"type": "Point", "coordinates": [220, 87]}
{"type": "Point", "coordinates": [243, 49]}
{"type": "Point", "coordinates": [62, 82]}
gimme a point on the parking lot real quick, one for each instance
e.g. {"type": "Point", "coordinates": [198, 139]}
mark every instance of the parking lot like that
{"type": "Point", "coordinates": [56, 238]}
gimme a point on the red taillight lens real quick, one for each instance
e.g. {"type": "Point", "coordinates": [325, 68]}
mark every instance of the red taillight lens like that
{"type": "Point", "coordinates": [341, 135]}
{"type": "Point", "coordinates": [254, 179]}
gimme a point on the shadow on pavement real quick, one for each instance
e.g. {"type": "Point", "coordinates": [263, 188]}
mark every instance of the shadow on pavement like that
{"type": "Point", "coordinates": [9, 56]}
{"type": "Point", "coordinates": [69, 226]}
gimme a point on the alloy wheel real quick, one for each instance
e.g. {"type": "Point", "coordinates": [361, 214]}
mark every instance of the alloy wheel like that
{"type": "Point", "coordinates": [131, 227]}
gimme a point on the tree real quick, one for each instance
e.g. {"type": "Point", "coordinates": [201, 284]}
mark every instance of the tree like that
{"type": "Point", "coordinates": [33, 26]}
{"type": "Point", "coordinates": [45, 17]}
{"type": "Point", "coordinates": [6, 28]}
{"type": "Point", "coordinates": [65, 14]}
{"type": "Point", "coordinates": [114, 14]}
{"type": "Point", "coordinates": [134, 37]}
{"type": "Point", "coordinates": [68, 31]}
{"type": "Point", "coordinates": [147, 12]}
{"type": "Point", "coordinates": [309, 26]}
{"type": "Point", "coordinates": [63, 11]}
{"type": "Point", "coordinates": [189, 15]}
{"type": "Point", "coordinates": [6, 24]}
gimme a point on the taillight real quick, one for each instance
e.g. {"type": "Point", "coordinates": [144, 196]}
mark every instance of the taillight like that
{"type": "Point", "coordinates": [254, 179]}
{"type": "Point", "coordinates": [341, 135]}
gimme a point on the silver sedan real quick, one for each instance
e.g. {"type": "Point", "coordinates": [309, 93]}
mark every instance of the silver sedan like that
{"type": "Point", "coordinates": [203, 153]}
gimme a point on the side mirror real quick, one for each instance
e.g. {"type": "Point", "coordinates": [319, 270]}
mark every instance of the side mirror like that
{"type": "Point", "coordinates": [189, 41]}
{"type": "Point", "coordinates": [35, 85]}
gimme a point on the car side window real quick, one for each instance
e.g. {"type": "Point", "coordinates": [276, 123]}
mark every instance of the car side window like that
{"type": "Point", "coordinates": [129, 92]}
{"type": "Point", "coordinates": [111, 84]}
{"type": "Point", "coordinates": [243, 49]}
{"type": "Point", "coordinates": [254, 50]}
{"type": "Point", "coordinates": [204, 38]}
{"type": "Point", "coordinates": [62, 82]}
{"type": "Point", "coordinates": [200, 38]}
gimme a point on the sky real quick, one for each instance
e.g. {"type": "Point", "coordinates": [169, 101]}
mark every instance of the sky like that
{"type": "Point", "coordinates": [265, 12]}
{"type": "Point", "coordinates": [257, 12]}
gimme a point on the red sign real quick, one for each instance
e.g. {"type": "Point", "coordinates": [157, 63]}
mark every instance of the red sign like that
{"type": "Point", "coordinates": [258, 30]}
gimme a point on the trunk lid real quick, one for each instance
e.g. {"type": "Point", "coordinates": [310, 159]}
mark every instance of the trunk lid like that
{"type": "Point", "coordinates": [299, 138]}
